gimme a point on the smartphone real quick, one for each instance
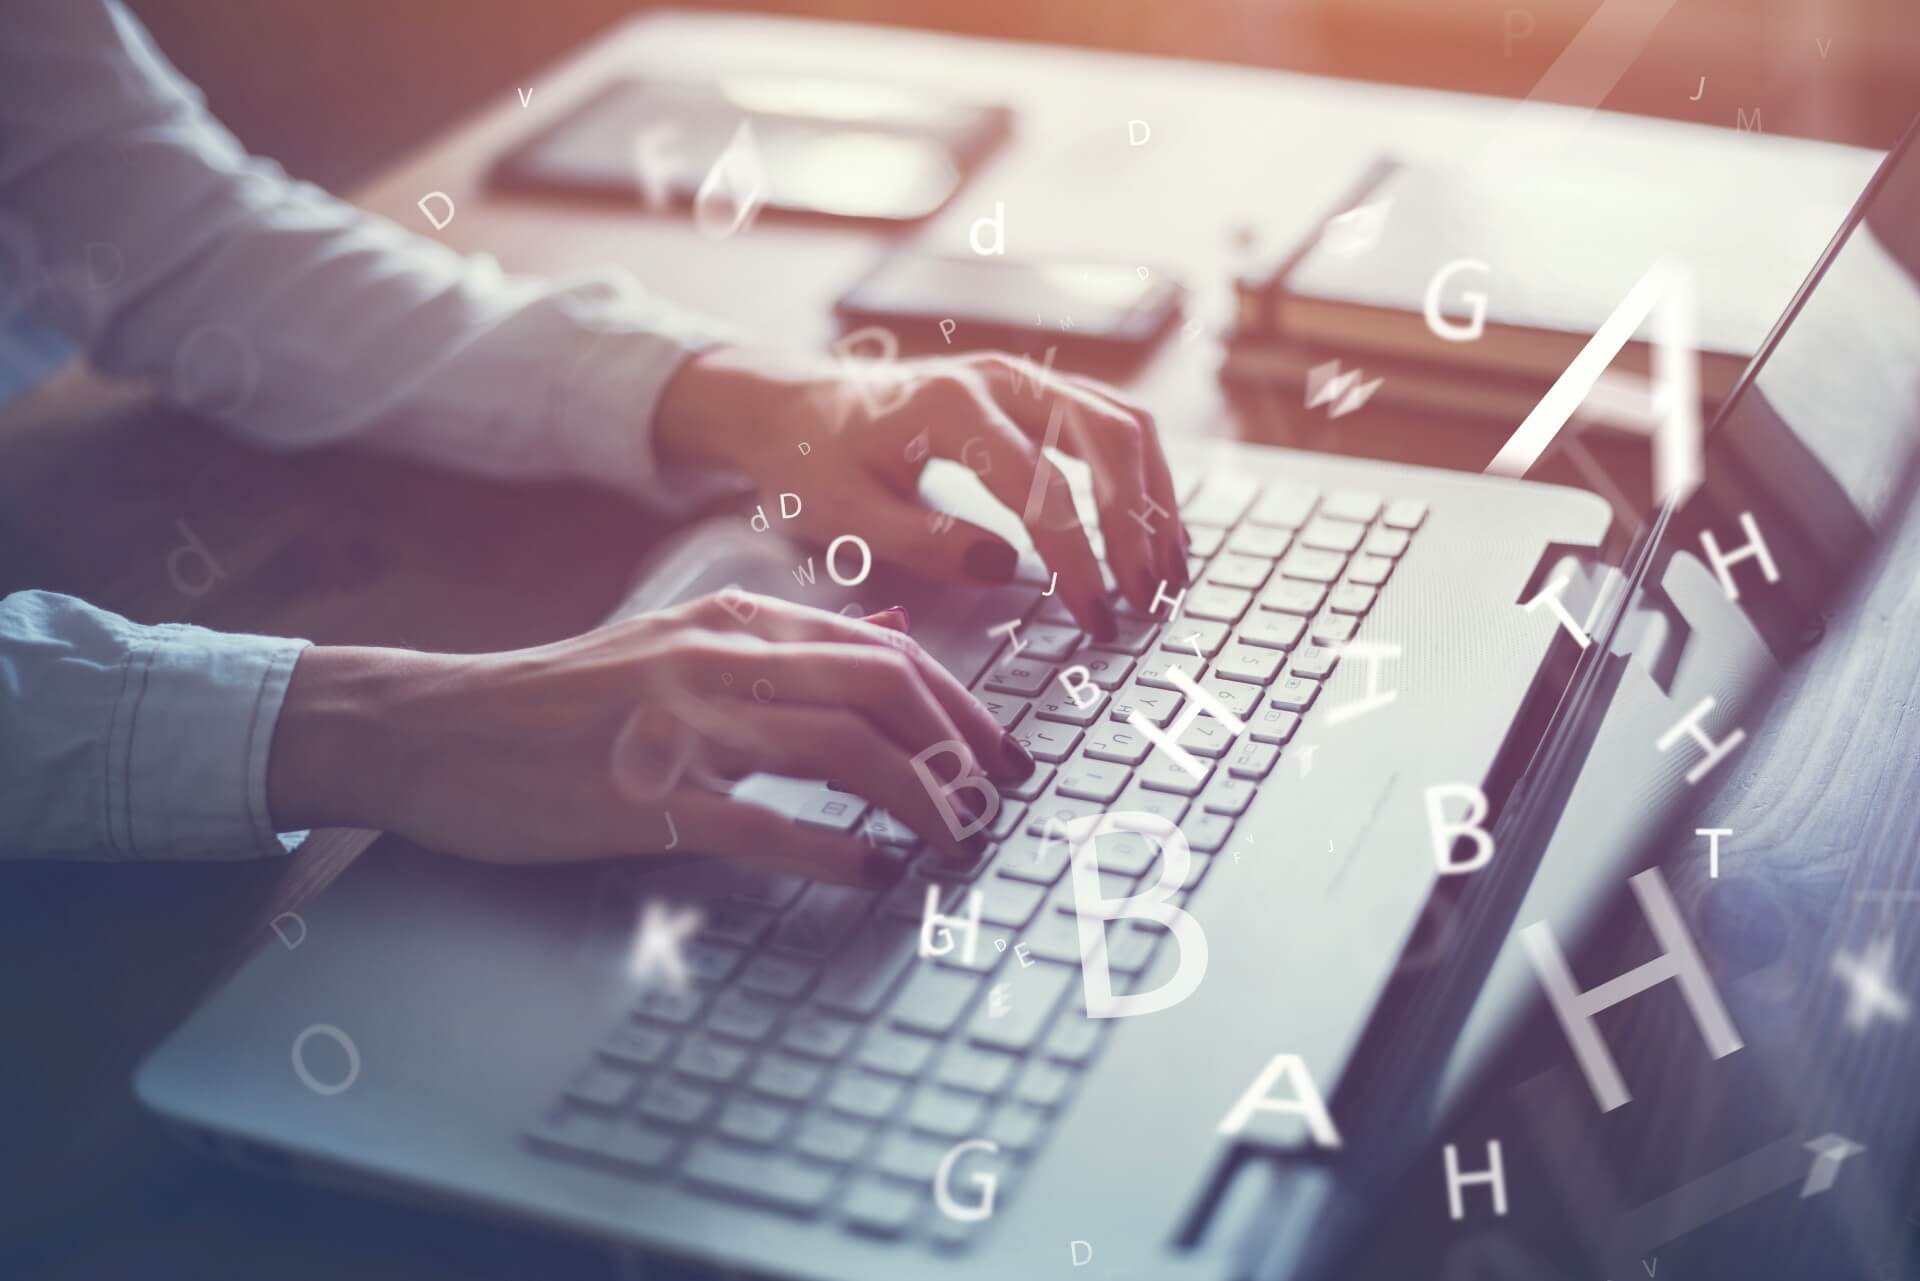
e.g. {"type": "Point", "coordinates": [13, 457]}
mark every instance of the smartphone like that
{"type": "Point", "coordinates": [971, 303]}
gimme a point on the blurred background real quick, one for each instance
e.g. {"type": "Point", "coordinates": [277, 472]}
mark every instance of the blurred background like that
{"type": "Point", "coordinates": [334, 89]}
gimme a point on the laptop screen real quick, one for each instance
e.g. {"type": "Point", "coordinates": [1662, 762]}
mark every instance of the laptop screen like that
{"type": "Point", "coordinates": [1817, 444]}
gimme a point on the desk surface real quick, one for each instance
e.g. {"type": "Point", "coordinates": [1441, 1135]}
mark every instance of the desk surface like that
{"type": "Point", "coordinates": [100, 961]}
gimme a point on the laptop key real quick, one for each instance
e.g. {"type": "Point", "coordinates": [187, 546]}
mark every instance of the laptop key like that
{"type": "Point", "coordinates": [742, 1018]}
{"type": "Point", "coordinates": [934, 999]}
{"type": "Point", "coordinates": [1206, 737]}
{"type": "Point", "coordinates": [569, 1131]}
{"type": "Point", "coordinates": [1325, 534]}
{"type": "Point", "coordinates": [1163, 774]}
{"type": "Point", "coordinates": [735, 923]}
{"type": "Point", "coordinates": [1228, 795]}
{"type": "Point", "coordinates": [858, 983]}
{"type": "Point", "coordinates": [777, 1181]}
{"type": "Point", "coordinates": [1156, 706]}
{"type": "Point", "coordinates": [1253, 761]}
{"type": "Point", "coordinates": [1270, 630]}
{"type": "Point", "coordinates": [708, 961]}
{"type": "Point", "coordinates": [1221, 604]}
{"type": "Point", "coordinates": [1017, 1127]}
{"type": "Point", "coordinates": [602, 1085]}
{"type": "Point", "coordinates": [1263, 541]}
{"type": "Point", "coordinates": [1125, 853]}
{"type": "Point", "coordinates": [1133, 634]}
{"type": "Point", "coordinates": [864, 1094]}
{"type": "Point", "coordinates": [1351, 598]}
{"type": "Point", "coordinates": [968, 1067]}
{"type": "Point", "coordinates": [778, 976]}
{"type": "Point", "coordinates": [1315, 662]}
{"type": "Point", "coordinates": [1033, 858]}
{"type": "Point", "coordinates": [1222, 499]}
{"type": "Point", "coordinates": [1285, 505]}
{"type": "Point", "coordinates": [764, 887]}
{"type": "Point", "coordinates": [1404, 513]}
{"type": "Point", "coordinates": [1051, 816]}
{"type": "Point", "coordinates": [1056, 705]}
{"type": "Point", "coordinates": [1121, 744]}
{"type": "Point", "coordinates": [1006, 819]}
{"type": "Point", "coordinates": [1206, 834]}
{"type": "Point", "coordinates": [1005, 709]}
{"type": "Point", "coordinates": [1048, 742]}
{"type": "Point", "coordinates": [638, 1147]}
{"type": "Point", "coordinates": [1292, 596]}
{"type": "Point", "coordinates": [1293, 694]}
{"type": "Point", "coordinates": [820, 1035]}
{"type": "Point", "coordinates": [1154, 669]}
{"type": "Point", "coordinates": [1370, 571]}
{"type": "Point", "coordinates": [1048, 643]}
{"type": "Point", "coordinates": [1043, 1084]}
{"type": "Point", "coordinates": [935, 1110]}
{"type": "Point", "coordinates": [1107, 670]}
{"type": "Point", "coordinates": [1073, 1040]}
{"type": "Point", "coordinates": [1239, 571]}
{"type": "Point", "coordinates": [1391, 543]}
{"type": "Point", "coordinates": [1204, 540]}
{"type": "Point", "coordinates": [836, 810]}
{"type": "Point", "coordinates": [1334, 629]}
{"type": "Point", "coordinates": [823, 919]}
{"type": "Point", "coordinates": [1249, 664]}
{"type": "Point", "coordinates": [1237, 697]}
{"type": "Point", "coordinates": [1273, 725]}
{"type": "Point", "coordinates": [909, 1156]}
{"type": "Point", "coordinates": [710, 1060]}
{"type": "Point", "coordinates": [784, 1077]}
{"type": "Point", "coordinates": [1030, 787]}
{"type": "Point", "coordinates": [1314, 566]}
{"type": "Point", "coordinates": [1032, 996]}
{"type": "Point", "coordinates": [831, 1138]}
{"type": "Point", "coordinates": [676, 1102]}
{"type": "Point", "coordinates": [894, 1052]}
{"type": "Point", "coordinates": [753, 1122]}
{"type": "Point", "coordinates": [1144, 800]}
{"type": "Point", "coordinates": [1351, 504]}
{"type": "Point", "coordinates": [1091, 780]}
{"type": "Point", "coordinates": [1009, 903]}
{"type": "Point", "coordinates": [879, 1208]}
{"type": "Point", "coordinates": [1022, 676]}
{"type": "Point", "coordinates": [637, 1044]}
{"type": "Point", "coordinates": [670, 1007]}
{"type": "Point", "coordinates": [1193, 635]}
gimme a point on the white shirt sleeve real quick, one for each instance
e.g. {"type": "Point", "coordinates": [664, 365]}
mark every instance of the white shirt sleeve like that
{"type": "Point", "coordinates": [133, 222]}
{"type": "Point", "coordinates": [124, 741]}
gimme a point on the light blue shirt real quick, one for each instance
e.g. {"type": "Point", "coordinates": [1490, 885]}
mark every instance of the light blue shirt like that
{"type": "Point", "coordinates": [136, 227]}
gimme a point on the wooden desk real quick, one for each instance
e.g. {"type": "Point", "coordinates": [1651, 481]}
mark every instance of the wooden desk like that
{"type": "Point", "coordinates": [95, 485]}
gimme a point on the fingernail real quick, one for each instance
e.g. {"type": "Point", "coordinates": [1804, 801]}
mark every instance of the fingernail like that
{"type": "Point", "coordinates": [990, 561]}
{"type": "Point", "coordinates": [1021, 758]}
{"type": "Point", "coordinates": [881, 870]}
{"type": "Point", "coordinates": [1186, 539]}
{"type": "Point", "coordinates": [894, 616]}
{"type": "Point", "coordinates": [1101, 624]}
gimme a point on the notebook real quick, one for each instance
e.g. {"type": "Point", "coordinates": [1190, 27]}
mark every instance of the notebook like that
{"type": "Point", "coordinates": [1549, 254]}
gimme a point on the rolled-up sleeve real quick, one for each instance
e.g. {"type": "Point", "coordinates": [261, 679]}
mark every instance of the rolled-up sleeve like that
{"type": "Point", "coordinates": [124, 741]}
{"type": "Point", "coordinates": [149, 236]}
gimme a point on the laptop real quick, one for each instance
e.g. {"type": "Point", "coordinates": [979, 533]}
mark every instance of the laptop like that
{"type": "Point", "coordinates": [829, 1097]}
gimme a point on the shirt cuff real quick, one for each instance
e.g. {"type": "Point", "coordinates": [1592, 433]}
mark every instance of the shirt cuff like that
{"type": "Point", "coordinates": [606, 397]}
{"type": "Point", "coordinates": [187, 749]}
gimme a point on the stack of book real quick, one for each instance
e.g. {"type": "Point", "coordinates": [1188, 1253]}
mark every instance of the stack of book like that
{"type": "Point", "coordinates": [1456, 292]}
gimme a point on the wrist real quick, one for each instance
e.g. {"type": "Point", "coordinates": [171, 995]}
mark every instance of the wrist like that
{"type": "Point", "coordinates": [337, 743]}
{"type": "Point", "coordinates": [719, 401]}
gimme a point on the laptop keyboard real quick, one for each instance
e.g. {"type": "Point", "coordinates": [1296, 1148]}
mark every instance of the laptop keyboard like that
{"type": "Point", "coordinates": [817, 1065]}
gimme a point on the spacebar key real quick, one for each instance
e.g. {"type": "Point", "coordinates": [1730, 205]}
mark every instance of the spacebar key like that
{"type": "Point", "coordinates": [780, 1182]}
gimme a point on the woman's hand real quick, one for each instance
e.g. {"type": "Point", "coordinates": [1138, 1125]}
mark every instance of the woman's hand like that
{"type": "Point", "coordinates": [870, 428]}
{"type": "Point", "coordinates": [585, 747]}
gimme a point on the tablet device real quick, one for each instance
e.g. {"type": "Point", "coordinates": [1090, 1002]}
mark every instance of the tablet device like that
{"type": "Point", "coordinates": [826, 147]}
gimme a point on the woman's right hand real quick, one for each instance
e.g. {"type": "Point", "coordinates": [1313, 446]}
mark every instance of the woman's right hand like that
{"type": "Point", "coordinates": [585, 747]}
